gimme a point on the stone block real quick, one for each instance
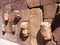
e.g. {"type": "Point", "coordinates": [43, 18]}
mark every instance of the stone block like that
{"type": "Point", "coordinates": [50, 10]}
{"type": "Point", "coordinates": [35, 16]}
{"type": "Point", "coordinates": [33, 3]}
{"type": "Point", "coordinates": [45, 2]}
{"type": "Point", "coordinates": [48, 20]}
{"type": "Point", "coordinates": [19, 4]}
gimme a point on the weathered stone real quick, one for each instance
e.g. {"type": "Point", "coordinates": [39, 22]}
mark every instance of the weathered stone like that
{"type": "Point", "coordinates": [1, 22]}
{"type": "Point", "coordinates": [25, 28]}
{"type": "Point", "coordinates": [57, 0]}
{"type": "Point", "coordinates": [5, 16]}
{"type": "Point", "coordinates": [10, 37]}
{"type": "Point", "coordinates": [33, 3]}
{"type": "Point", "coordinates": [58, 43]}
{"type": "Point", "coordinates": [46, 31]}
{"type": "Point", "coordinates": [8, 8]}
{"type": "Point", "coordinates": [9, 28]}
{"type": "Point", "coordinates": [56, 22]}
{"type": "Point", "coordinates": [48, 20]}
{"type": "Point", "coordinates": [33, 41]}
{"type": "Point", "coordinates": [58, 9]}
{"type": "Point", "coordinates": [35, 20]}
{"type": "Point", "coordinates": [3, 10]}
{"type": "Point", "coordinates": [26, 42]}
{"type": "Point", "coordinates": [19, 4]}
{"type": "Point", "coordinates": [50, 10]}
{"type": "Point", "coordinates": [3, 28]}
{"type": "Point", "coordinates": [3, 2]}
{"type": "Point", "coordinates": [51, 43]}
{"type": "Point", "coordinates": [57, 34]}
{"type": "Point", "coordinates": [17, 29]}
{"type": "Point", "coordinates": [44, 2]}
{"type": "Point", "coordinates": [56, 27]}
{"type": "Point", "coordinates": [25, 15]}
{"type": "Point", "coordinates": [35, 16]}
{"type": "Point", "coordinates": [12, 16]}
{"type": "Point", "coordinates": [9, 1]}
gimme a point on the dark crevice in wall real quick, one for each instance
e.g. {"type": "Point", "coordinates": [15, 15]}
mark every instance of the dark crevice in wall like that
{"type": "Point", "coordinates": [33, 7]}
{"type": "Point", "coordinates": [55, 22]}
{"type": "Point", "coordinates": [13, 32]}
{"type": "Point", "coordinates": [40, 39]}
{"type": "Point", "coordinates": [16, 20]}
{"type": "Point", "coordinates": [57, 10]}
{"type": "Point", "coordinates": [3, 32]}
{"type": "Point", "coordinates": [6, 22]}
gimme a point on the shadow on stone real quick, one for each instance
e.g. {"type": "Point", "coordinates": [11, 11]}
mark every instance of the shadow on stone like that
{"type": "Point", "coordinates": [40, 39]}
{"type": "Point", "coordinates": [22, 37]}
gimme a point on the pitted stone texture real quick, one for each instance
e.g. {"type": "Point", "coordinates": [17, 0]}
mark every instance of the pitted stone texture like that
{"type": "Point", "coordinates": [10, 37]}
{"type": "Point", "coordinates": [50, 10]}
{"type": "Point", "coordinates": [48, 20]}
{"type": "Point", "coordinates": [44, 2]}
{"type": "Point", "coordinates": [35, 16]}
{"type": "Point", "coordinates": [19, 4]}
{"type": "Point", "coordinates": [33, 3]}
{"type": "Point", "coordinates": [51, 43]}
{"type": "Point", "coordinates": [25, 15]}
{"type": "Point", "coordinates": [58, 42]}
{"type": "Point", "coordinates": [3, 2]}
{"type": "Point", "coordinates": [57, 34]}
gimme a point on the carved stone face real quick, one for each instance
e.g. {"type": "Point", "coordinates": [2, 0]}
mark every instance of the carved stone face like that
{"type": "Point", "coordinates": [46, 30]}
{"type": "Point", "coordinates": [24, 26]}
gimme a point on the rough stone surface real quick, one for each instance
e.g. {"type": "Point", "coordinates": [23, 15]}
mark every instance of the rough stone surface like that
{"type": "Point", "coordinates": [57, 34]}
{"type": "Point", "coordinates": [8, 8]}
{"type": "Point", "coordinates": [33, 3]}
{"type": "Point", "coordinates": [35, 16]}
{"type": "Point", "coordinates": [19, 4]}
{"type": "Point", "coordinates": [44, 2]}
{"type": "Point", "coordinates": [3, 2]}
{"type": "Point", "coordinates": [48, 20]}
{"type": "Point", "coordinates": [49, 10]}
{"type": "Point", "coordinates": [58, 43]}
{"type": "Point", "coordinates": [9, 1]}
{"type": "Point", "coordinates": [51, 43]}
{"type": "Point", "coordinates": [57, 0]}
{"type": "Point", "coordinates": [10, 37]}
{"type": "Point", "coordinates": [25, 15]}
{"type": "Point", "coordinates": [9, 28]}
{"type": "Point", "coordinates": [12, 16]}
{"type": "Point", "coordinates": [17, 29]}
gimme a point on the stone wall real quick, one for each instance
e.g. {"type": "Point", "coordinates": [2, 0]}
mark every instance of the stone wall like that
{"type": "Point", "coordinates": [34, 12]}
